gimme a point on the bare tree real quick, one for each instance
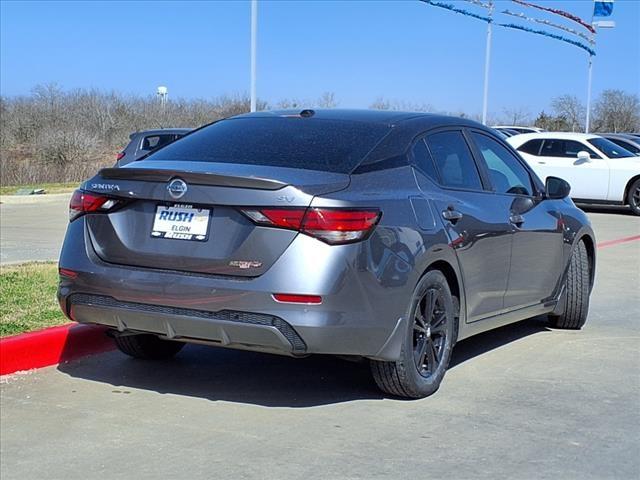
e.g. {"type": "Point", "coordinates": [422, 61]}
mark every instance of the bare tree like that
{"type": "Point", "coordinates": [400, 105]}
{"type": "Point", "coordinates": [290, 103]}
{"type": "Point", "coordinates": [56, 135]}
{"type": "Point", "coordinates": [327, 100]}
{"type": "Point", "coordinates": [616, 111]}
{"type": "Point", "coordinates": [380, 103]}
{"type": "Point", "coordinates": [517, 116]}
{"type": "Point", "coordinates": [571, 110]}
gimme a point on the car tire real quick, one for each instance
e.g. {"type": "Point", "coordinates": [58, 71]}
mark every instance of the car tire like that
{"type": "Point", "coordinates": [427, 345]}
{"type": "Point", "coordinates": [577, 290]}
{"type": "Point", "coordinates": [148, 347]}
{"type": "Point", "coordinates": [633, 197]}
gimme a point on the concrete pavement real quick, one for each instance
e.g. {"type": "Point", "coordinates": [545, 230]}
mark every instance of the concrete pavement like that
{"type": "Point", "coordinates": [521, 402]}
{"type": "Point", "coordinates": [33, 228]}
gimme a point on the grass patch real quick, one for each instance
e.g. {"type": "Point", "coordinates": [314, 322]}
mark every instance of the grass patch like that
{"type": "Point", "coordinates": [28, 298]}
{"type": "Point", "coordinates": [49, 187]}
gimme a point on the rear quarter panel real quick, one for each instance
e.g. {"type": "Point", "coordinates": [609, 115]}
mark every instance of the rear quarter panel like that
{"type": "Point", "coordinates": [402, 246]}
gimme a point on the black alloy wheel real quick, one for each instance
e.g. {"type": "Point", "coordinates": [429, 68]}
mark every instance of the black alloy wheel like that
{"type": "Point", "coordinates": [428, 341]}
{"type": "Point", "coordinates": [429, 332]}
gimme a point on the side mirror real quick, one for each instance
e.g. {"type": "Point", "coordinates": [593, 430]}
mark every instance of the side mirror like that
{"type": "Point", "coordinates": [584, 156]}
{"type": "Point", "coordinates": [557, 188]}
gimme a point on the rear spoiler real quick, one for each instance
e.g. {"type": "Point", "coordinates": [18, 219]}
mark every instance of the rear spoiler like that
{"type": "Point", "coordinates": [194, 178]}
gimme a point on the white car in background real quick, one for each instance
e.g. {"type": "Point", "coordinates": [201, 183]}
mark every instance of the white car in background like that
{"type": "Point", "coordinates": [518, 129]}
{"type": "Point", "coordinates": [598, 170]}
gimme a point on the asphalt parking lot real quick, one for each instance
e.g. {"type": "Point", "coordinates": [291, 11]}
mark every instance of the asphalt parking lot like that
{"type": "Point", "coordinates": [521, 402]}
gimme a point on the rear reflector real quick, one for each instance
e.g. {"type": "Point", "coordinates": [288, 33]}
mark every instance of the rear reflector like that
{"type": "Point", "coordinates": [331, 225]}
{"type": "Point", "coordinates": [293, 298]}
{"type": "Point", "coordinates": [65, 272]}
{"type": "Point", "coordinates": [86, 202]}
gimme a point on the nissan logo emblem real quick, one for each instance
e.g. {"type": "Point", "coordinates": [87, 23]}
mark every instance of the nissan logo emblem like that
{"type": "Point", "coordinates": [177, 188]}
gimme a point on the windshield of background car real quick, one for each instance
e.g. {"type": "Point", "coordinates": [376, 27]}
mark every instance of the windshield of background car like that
{"type": "Point", "coordinates": [609, 148]}
{"type": "Point", "coordinates": [294, 142]}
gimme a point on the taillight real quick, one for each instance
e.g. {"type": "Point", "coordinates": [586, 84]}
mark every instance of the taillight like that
{"type": "Point", "coordinates": [85, 202]}
{"type": "Point", "coordinates": [331, 225]}
{"type": "Point", "coordinates": [120, 156]}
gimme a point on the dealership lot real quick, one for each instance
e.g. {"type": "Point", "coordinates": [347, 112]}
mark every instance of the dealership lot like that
{"type": "Point", "coordinates": [521, 402]}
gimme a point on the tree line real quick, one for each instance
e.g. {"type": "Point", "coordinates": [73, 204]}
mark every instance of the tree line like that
{"type": "Point", "coordinates": [53, 135]}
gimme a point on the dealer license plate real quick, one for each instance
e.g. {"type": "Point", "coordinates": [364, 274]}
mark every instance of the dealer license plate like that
{"type": "Point", "coordinates": [181, 222]}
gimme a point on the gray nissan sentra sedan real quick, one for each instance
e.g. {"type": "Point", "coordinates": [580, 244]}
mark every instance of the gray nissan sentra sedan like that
{"type": "Point", "coordinates": [382, 235]}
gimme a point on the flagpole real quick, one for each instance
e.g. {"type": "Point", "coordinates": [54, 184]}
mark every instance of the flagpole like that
{"type": "Point", "coordinates": [487, 61]}
{"type": "Point", "coordinates": [254, 28]}
{"type": "Point", "coordinates": [589, 79]}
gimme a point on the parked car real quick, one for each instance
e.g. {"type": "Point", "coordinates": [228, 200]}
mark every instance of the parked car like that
{"type": "Point", "coordinates": [505, 132]}
{"type": "Point", "coordinates": [518, 129]}
{"type": "Point", "coordinates": [625, 140]}
{"type": "Point", "coordinates": [598, 170]}
{"type": "Point", "coordinates": [145, 142]}
{"type": "Point", "coordinates": [375, 234]}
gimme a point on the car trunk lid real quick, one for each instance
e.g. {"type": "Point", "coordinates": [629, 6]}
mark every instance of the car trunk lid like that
{"type": "Point", "coordinates": [230, 244]}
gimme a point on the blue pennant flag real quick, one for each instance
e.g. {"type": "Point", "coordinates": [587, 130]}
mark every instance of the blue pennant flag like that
{"type": "Point", "coordinates": [602, 8]}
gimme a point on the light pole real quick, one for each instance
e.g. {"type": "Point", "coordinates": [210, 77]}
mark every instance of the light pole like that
{"type": "Point", "coordinates": [487, 61]}
{"type": "Point", "coordinates": [254, 28]}
{"type": "Point", "coordinates": [590, 75]}
{"type": "Point", "coordinates": [596, 24]}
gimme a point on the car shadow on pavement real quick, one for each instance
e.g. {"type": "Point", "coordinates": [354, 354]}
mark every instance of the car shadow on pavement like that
{"type": "Point", "coordinates": [262, 379]}
{"type": "Point", "coordinates": [493, 339]}
{"type": "Point", "coordinates": [611, 209]}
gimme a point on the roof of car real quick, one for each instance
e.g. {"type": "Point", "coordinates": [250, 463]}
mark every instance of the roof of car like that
{"type": "Point", "coordinates": [388, 117]}
{"type": "Point", "coordinates": [560, 135]}
{"type": "Point", "coordinates": [624, 136]}
{"type": "Point", "coordinates": [513, 127]}
{"type": "Point", "coordinates": [159, 131]}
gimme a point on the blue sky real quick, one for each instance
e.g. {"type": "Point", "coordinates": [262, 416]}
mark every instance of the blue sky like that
{"type": "Point", "coordinates": [361, 50]}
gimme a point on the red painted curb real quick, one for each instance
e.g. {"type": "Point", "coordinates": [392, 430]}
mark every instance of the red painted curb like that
{"type": "Point", "coordinates": [609, 243]}
{"type": "Point", "coordinates": [51, 346]}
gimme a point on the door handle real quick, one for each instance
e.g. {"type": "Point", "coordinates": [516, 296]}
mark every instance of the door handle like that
{"type": "Point", "coordinates": [516, 219]}
{"type": "Point", "coordinates": [451, 214]}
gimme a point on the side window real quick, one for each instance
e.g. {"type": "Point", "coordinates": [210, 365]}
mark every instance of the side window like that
{"type": "Point", "coordinates": [422, 159]}
{"type": "Point", "coordinates": [507, 174]}
{"type": "Point", "coordinates": [564, 148]}
{"type": "Point", "coordinates": [454, 161]}
{"type": "Point", "coordinates": [155, 141]}
{"type": "Point", "coordinates": [532, 147]}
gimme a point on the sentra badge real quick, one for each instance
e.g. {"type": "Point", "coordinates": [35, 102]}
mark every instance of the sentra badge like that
{"type": "Point", "coordinates": [105, 186]}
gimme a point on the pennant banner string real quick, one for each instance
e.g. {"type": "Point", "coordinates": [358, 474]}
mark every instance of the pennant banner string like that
{"type": "Point", "coordinates": [568, 15]}
{"type": "Point", "coordinates": [550, 35]}
{"type": "Point", "coordinates": [453, 8]}
{"type": "Point", "coordinates": [484, 18]}
{"type": "Point", "coordinates": [479, 3]}
{"type": "Point", "coordinates": [551, 24]}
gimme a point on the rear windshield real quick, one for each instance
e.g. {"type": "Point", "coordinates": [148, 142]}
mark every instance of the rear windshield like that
{"type": "Point", "coordinates": [294, 142]}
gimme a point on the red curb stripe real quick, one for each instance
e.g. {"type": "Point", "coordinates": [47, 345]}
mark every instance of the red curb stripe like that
{"type": "Point", "coordinates": [609, 243]}
{"type": "Point", "coordinates": [51, 346]}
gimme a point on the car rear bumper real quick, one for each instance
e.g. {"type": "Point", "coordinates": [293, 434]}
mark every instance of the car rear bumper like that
{"type": "Point", "coordinates": [240, 312]}
{"type": "Point", "coordinates": [227, 328]}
